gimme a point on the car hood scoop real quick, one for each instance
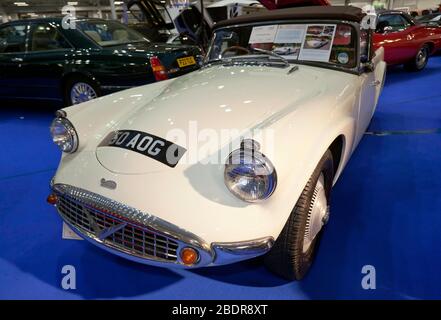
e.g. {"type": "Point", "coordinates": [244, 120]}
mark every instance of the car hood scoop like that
{"type": "Point", "coordinates": [205, 109]}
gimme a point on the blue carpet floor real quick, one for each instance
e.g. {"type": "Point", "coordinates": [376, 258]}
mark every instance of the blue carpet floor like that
{"type": "Point", "coordinates": [386, 213]}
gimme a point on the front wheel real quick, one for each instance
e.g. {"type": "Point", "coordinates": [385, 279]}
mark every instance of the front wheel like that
{"type": "Point", "coordinates": [420, 61]}
{"type": "Point", "coordinates": [80, 89]}
{"type": "Point", "coordinates": [294, 250]}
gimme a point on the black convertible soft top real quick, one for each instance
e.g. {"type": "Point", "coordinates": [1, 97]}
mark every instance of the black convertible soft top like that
{"type": "Point", "coordinates": [347, 13]}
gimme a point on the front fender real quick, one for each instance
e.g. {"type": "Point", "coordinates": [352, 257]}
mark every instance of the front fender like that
{"type": "Point", "coordinates": [290, 189]}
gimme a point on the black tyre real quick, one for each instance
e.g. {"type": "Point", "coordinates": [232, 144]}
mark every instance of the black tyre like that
{"type": "Point", "coordinates": [420, 61]}
{"type": "Point", "coordinates": [294, 250]}
{"type": "Point", "coordinates": [78, 89]}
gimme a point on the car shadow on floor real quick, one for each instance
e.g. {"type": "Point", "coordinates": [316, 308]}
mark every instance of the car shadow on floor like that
{"type": "Point", "coordinates": [98, 274]}
{"type": "Point", "coordinates": [105, 276]}
{"type": "Point", "coordinates": [250, 273]}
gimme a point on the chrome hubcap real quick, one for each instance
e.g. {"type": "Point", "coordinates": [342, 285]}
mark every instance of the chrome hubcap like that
{"type": "Point", "coordinates": [318, 213]}
{"type": "Point", "coordinates": [82, 92]}
{"type": "Point", "coordinates": [421, 57]}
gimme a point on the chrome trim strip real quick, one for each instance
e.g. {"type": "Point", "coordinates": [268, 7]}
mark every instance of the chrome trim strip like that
{"type": "Point", "coordinates": [116, 87]}
{"type": "Point", "coordinates": [137, 217]}
{"type": "Point", "coordinates": [229, 252]}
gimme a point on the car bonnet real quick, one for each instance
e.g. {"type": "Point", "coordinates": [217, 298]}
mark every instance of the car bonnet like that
{"type": "Point", "coordinates": [195, 111]}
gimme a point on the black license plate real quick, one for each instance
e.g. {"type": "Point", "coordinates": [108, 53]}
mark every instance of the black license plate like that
{"type": "Point", "coordinates": [147, 144]}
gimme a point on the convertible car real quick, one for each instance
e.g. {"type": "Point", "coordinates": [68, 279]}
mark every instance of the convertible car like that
{"type": "Point", "coordinates": [405, 40]}
{"type": "Point", "coordinates": [317, 43]}
{"type": "Point", "coordinates": [39, 59]}
{"type": "Point", "coordinates": [233, 161]}
{"type": "Point", "coordinates": [285, 50]}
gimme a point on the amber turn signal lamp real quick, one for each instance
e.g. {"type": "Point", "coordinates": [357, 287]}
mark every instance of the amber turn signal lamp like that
{"type": "Point", "coordinates": [189, 256]}
{"type": "Point", "coordinates": [52, 199]}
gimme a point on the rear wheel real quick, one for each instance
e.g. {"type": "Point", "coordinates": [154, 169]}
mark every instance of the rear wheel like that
{"type": "Point", "coordinates": [79, 89]}
{"type": "Point", "coordinates": [294, 250]}
{"type": "Point", "coordinates": [420, 60]}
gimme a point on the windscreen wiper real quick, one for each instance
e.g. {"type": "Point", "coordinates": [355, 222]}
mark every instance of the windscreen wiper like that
{"type": "Point", "coordinates": [272, 54]}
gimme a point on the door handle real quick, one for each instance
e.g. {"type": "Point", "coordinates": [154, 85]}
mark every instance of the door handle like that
{"type": "Point", "coordinates": [17, 59]}
{"type": "Point", "coordinates": [375, 83]}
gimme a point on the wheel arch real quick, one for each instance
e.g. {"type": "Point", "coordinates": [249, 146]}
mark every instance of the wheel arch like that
{"type": "Point", "coordinates": [75, 73]}
{"type": "Point", "coordinates": [431, 46]}
{"type": "Point", "coordinates": [337, 149]}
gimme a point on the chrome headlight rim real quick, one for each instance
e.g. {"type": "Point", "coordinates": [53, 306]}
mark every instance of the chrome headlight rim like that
{"type": "Point", "coordinates": [71, 132]}
{"type": "Point", "coordinates": [243, 152]}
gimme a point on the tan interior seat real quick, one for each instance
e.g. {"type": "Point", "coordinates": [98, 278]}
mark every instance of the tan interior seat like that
{"type": "Point", "coordinates": [94, 35]}
{"type": "Point", "coordinates": [120, 35]}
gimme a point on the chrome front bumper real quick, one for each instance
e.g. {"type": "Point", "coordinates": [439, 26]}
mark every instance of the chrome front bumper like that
{"type": "Point", "coordinates": [142, 237]}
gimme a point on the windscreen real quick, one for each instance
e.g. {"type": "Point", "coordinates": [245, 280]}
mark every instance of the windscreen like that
{"type": "Point", "coordinates": [108, 33]}
{"type": "Point", "coordinates": [314, 42]}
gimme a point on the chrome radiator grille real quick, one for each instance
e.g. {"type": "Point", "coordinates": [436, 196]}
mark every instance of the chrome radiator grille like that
{"type": "Point", "coordinates": [129, 238]}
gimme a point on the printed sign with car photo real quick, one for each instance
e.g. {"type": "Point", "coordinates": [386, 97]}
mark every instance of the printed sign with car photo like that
{"type": "Point", "coordinates": [318, 42]}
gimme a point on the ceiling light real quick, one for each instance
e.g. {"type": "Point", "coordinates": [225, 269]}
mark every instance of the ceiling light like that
{"type": "Point", "coordinates": [21, 4]}
{"type": "Point", "coordinates": [72, 3]}
{"type": "Point", "coordinates": [118, 3]}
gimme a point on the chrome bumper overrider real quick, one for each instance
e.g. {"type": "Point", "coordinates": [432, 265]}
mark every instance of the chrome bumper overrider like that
{"type": "Point", "coordinates": [140, 236]}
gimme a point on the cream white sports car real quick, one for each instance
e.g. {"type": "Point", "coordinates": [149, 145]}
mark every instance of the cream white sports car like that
{"type": "Point", "coordinates": [317, 43]}
{"type": "Point", "coordinates": [230, 162]}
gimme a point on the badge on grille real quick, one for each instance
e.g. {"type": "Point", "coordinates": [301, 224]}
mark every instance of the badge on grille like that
{"type": "Point", "coordinates": [105, 232]}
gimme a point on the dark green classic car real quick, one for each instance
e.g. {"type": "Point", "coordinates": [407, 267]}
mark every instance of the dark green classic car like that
{"type": "Point", "coordinates": [42, 59]}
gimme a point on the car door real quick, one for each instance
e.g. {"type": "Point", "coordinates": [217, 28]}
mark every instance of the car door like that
{"type": "Point", "coordinates": [371, 80]}
{"type": "Point", "coordinates": [48, 51]}
{"type": "Point", "coordinates": [395, 33]}
{"type": "Point", "coordinates": [379, 71]}
{"type": "Point", "coordinates": [365, 105]}
{"type": "Point", "coordinates": [12, 54]}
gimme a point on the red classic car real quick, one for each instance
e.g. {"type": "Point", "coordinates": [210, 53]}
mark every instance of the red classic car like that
{"type": "Point", "coordinates": [406, 41]}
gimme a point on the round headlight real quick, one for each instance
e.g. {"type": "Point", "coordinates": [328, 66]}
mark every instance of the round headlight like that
{"type": "Point", "coordinates": [64, 135]}
{"type": "Point", "coordinates": [249, 175]}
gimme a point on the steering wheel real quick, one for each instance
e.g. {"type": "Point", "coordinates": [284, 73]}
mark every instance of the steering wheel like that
{"type": "Point", "coordinates": [236, 48]}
